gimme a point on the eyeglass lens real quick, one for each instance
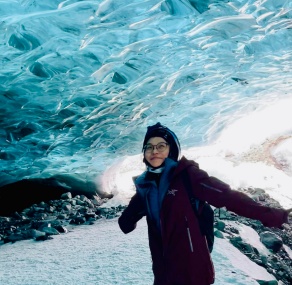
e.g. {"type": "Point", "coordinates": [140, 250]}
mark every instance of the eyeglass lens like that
{"type": "Point", "coordinates": [160, 147]}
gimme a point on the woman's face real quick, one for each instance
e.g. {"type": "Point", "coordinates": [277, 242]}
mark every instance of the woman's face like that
{"type": "Point", "coordinates": [153, 156]}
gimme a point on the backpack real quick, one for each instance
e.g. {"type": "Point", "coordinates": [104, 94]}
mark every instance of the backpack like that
{"type": "Point", "coordinates": [203, 212]}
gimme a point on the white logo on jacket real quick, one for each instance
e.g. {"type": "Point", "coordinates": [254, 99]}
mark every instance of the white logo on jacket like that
{"type": "Point", "coordinates": [171, 192]}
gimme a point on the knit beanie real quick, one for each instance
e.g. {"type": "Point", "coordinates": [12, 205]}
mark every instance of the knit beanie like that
{"type": "Point", "coordinates": [161, 131]}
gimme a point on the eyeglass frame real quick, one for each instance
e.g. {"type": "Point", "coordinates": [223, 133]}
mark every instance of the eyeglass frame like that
{"type": "Point", "coordinates": [155, 146]}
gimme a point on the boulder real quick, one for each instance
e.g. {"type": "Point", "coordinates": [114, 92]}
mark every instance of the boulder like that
{"type": "Point", "coordinates": [271, 240]}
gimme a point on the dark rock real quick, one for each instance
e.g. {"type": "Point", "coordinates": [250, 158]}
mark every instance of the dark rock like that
{"type": "Point", "coordinates": [271, 241]}
{"type": "Point", "coordinates": [39, 225]}
{"type": "Point", "coordinates": [271, 282]}
{"type": "Point", "coordinates": [218, 234]}
{"type": "Point", "coordinates": [61, 229]}
{"type": "Point", "coordinates": [32, 233]}
{"type": "Point", "coordinates": [13, 238]}
{"type": "Point", "coordinates": [220, 225]}
{"type": "Point", "coordinates": [43, 238]}
{"type": "Point", "coordinates": [50, 231]}
{"type": "Point", "coordinates": [67, 206]}
{"type": "Point", "coordinates": [78, 220]}
{"type": "Point", "coordinates": [66, 196]}
{"type": "Point", "coordinates": [90, 215]}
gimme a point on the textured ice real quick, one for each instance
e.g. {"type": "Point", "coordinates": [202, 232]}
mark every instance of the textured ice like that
{"type": "Point", "coordinates": [86, 77]}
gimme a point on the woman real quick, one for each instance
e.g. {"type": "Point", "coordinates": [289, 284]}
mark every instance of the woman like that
{"type": "Point", "coordinates": [179, 251]}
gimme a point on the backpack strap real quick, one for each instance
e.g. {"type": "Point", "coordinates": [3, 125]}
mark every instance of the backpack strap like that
{"type": "Point", "coordinates": [203, 212]}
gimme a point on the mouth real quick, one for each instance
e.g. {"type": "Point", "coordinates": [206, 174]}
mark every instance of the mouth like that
{"type": "Point", "coordinates": [154, 158]}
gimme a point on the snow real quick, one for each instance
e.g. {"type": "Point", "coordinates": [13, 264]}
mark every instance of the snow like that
{"type": "Point", "coordinates": [101, 254]}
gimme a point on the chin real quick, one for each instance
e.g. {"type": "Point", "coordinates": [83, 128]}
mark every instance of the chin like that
{"type": "Point", "coordinates": [155, 164]}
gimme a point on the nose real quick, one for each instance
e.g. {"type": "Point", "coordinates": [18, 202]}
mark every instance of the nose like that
{"type": "Point", "coordinates": [154, 149]}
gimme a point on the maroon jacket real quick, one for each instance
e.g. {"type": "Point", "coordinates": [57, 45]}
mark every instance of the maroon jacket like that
{"type": "Point", "coordinates": [179, 252]}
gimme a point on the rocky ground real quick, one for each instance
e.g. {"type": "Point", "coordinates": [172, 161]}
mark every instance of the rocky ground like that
{"type": "Point", "coordinates": [278, 262]}
{"type": "Point", "coordinates": [44, 220]}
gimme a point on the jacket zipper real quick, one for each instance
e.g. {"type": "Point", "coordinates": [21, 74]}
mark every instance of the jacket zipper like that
{"type": "Point", "coordinates": [163, 249]}
{"type": "Point", "coordinates": [189, 235]}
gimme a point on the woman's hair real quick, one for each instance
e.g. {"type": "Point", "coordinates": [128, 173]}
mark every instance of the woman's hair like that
{"type": "Point", "coordinates": [159, 130]}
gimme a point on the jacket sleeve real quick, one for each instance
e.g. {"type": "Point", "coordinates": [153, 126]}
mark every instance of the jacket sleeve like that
{"type": "Point", "coordinates": [219, 194]}
{"type": "Point", "coordinates": [132, 214]}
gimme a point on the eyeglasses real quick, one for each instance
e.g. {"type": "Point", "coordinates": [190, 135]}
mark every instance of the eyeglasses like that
{"type": "Point", "coordinates": [161, 147]}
